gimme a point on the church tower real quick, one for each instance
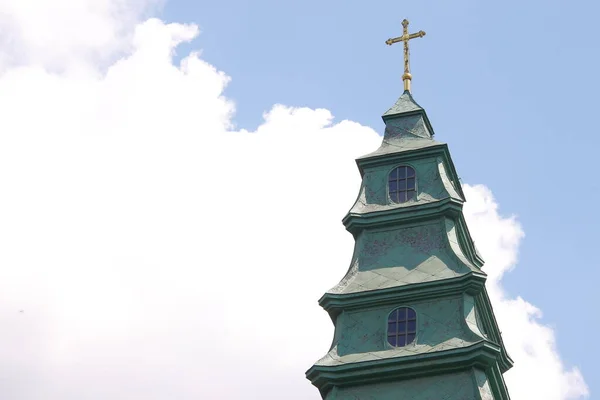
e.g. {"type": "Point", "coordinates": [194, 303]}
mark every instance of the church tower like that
{"type": "Point", "coordinates": [413, 320]}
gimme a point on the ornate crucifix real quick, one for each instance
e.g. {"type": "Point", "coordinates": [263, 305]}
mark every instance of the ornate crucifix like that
{"type": "Point", "coordinates": [405, 38]}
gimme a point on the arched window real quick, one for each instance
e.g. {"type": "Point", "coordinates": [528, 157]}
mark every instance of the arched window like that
{"type": "Point", "coordinates": [401, 184]}
{"type": "Point", "coordinates": [402, 326]}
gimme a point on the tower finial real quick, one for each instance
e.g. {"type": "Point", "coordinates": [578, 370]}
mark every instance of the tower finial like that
{"type": "Point", "coordinates": [406, 77]}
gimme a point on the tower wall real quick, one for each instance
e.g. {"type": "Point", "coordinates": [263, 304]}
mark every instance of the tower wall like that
{"type": "Point", "coordinates": [433, 184]}
{"type": "Point", "coordinates": [443, 323]}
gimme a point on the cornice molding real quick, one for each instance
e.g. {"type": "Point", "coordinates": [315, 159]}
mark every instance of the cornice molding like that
{"type": "Point", "coordinates": [483, 355]}
{"type": "Point", "coordinates": [472, 283]}
{"type": "Point", "coordinates": [449, 207]}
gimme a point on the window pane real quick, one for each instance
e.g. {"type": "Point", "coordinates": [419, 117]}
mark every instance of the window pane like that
{"type": "Point", "coordinates": [411, 314]}
{"type": "Point", "coordinates": [402, 184]}
{"type": "Point", "coordinates": [401, 341]}
{"type": "Point", "coordinates": [392, 327]}
{"type": "Point", "coordinates": [410, 337]}
{"type": "Point", "coordinates": [393, 186]}
{"type": "Point", "coordinates": [410, 171]}
{"type": "Point", "coordinates": [401, 197]}
{"type": "Point", "coordinates": [410, 195]}
{"type": "Point", "coordinates": [402, 327]}
{"type": "Point", "coordinates": [392, 340]}
{"type": "Point", "coordinates": [410, 183]}
{"type": "Point", "coordinates": [394, 174]}
{"type": "Point", "coordinates": [401, 172]}
{"type": "Point", "coordinates": [412, 326]}
{"type": "Point", "coordinates": [402, 314]}
{"type": "Point", "coordinates": [393, 316]}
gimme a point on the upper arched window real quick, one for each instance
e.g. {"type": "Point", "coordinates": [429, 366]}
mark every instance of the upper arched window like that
{"type": "Point", "coordinates": [402, 326]}
{"type": "Point", "coordinates": [401, 184]}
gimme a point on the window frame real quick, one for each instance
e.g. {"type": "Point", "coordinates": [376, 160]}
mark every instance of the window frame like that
{"type": "Point", "coordinates": [397, 332]}
{"type": "Point", "coordinates": [402, 175]}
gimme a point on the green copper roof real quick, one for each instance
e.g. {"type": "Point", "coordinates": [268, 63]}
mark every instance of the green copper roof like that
{"type": "Point", "coordinates": [404, 104]}
{"type": "Point", "coordinates": [406, 128]}
{"type": "Point", "coordinates": [404, 256]}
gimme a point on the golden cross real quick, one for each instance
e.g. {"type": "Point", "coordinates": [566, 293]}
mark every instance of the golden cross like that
{"type": "Point", "coordinates": [407, 77]}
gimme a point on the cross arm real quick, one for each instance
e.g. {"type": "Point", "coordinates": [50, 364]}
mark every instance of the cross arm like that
{"type": "Point", "coordinates": [416, 35]}
{"type": "Point", "coordinates": [391, 41]}
{"type": "Point", "coordinates": [404, 38]}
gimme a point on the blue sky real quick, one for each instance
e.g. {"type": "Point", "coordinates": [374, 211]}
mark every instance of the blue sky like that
{"type": "Point", "coordinates": [510, 86]}
{"type": "Point", "coordinates": [145, 226]}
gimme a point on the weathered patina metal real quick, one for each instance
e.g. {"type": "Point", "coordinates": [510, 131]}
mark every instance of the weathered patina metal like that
{"type": "Point", "coordinates": [416, 254]}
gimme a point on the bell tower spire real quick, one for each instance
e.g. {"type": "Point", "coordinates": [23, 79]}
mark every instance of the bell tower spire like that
{"type": "Point", "coordinates": [412, 316]}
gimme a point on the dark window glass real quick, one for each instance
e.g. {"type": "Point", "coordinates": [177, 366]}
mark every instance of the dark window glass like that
{"type": "Point", "coordinates": [392, 340]}
{"type": "Point", "coordinates": [402, 326]}
{"type": "Point", "coordinates": [392, 328]}
{"type": "Point", "coordinates": [401, 341]}
{"type": "Point", "coordinates": [402, 184]}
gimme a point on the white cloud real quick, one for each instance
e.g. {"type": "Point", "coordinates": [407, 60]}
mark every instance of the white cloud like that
{"type": "Point", "coordinates": [65, 34]}
{"type": "Point", "coordinates": [538, 372]}
{"type": "Point", "coordinates": [155, 252]}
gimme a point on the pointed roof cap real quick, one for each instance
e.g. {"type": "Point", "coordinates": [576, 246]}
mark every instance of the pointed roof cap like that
{"type": "Point", "coordinates": [407, 128]}
{"type": "Point", "coordinates": [404, 104]}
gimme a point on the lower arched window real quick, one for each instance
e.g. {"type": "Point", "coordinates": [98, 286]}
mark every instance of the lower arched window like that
{"type": "Point", "coordinates": [402, 326]}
